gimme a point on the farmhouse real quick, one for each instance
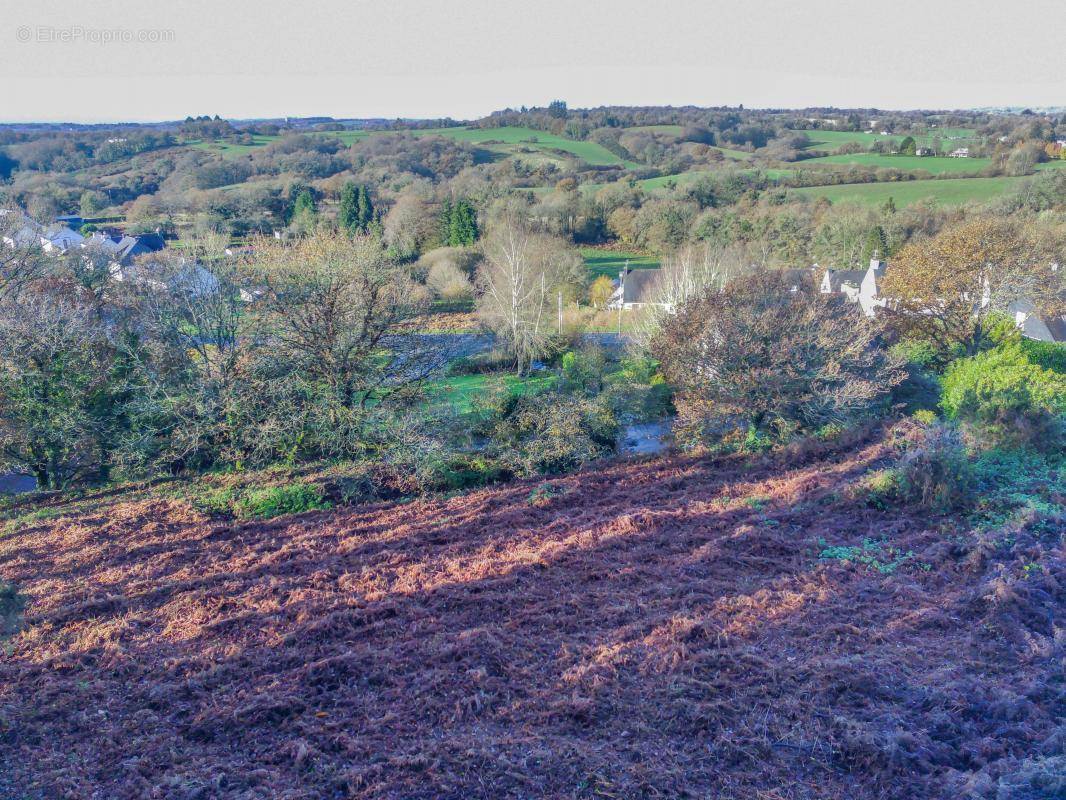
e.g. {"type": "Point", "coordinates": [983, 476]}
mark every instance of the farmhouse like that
{"type": "Point", "coordinates": [842, 281]}
{"type": "Point", "coordinates": [923, 151]}
{"type": "Point", "coordinates": [33, 234]}
{"type": "Point", "coordinates": [635, 288]}
{"type": "Point", "coordinates": [960, 152]}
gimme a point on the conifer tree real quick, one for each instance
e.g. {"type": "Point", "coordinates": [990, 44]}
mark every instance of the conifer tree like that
{"type": "Point", "coordinates": [348, 213]}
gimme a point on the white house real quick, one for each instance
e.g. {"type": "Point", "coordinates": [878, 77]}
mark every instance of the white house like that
{"type": "Point", "coordinates": [960, 152]}
{"type": "Point", "coordinates": [858, 286]}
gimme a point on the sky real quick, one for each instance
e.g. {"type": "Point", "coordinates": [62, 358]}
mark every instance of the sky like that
{"type": "Point", "coordinates": [152, 60]}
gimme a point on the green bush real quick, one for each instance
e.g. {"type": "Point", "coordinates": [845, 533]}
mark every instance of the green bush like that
{"type": "Point", "coordinates": [879, 488]}
{"type": "Point", "coordinates": [582, 372]}
{"type": "Point", "coordinates": [469, 471]}
{"type": "Point", "coordinates": [638, 392]}
{"type": "Point", "coordinates": [275, 501]}
{"type": "Point", "coordinates": [919, 390]}
{"type": "Point", "coordinates": [1049, 355]}
{"type": "Point", "coordinates": [924, 416]}
{"type": "Point", "coordinates": [216, 501]}
{"type": "Point", "coordinates": [1007, 395]}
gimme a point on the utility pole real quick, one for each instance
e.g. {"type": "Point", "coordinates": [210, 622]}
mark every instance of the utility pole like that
{"type": "Point", "coordinates": [559, 324]}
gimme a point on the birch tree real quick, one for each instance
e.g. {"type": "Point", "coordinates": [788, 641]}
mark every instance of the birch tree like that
{"type": "Point", "coordinates": [518, 282]}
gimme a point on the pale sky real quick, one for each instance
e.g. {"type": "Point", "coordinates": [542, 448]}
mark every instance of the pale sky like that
{"type": "Point", "coordinates": [435, 58]}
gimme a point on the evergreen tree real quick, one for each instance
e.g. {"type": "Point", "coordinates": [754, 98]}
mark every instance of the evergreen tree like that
{"type": "Point", "coordinates": [458, 224]}
{"type": "Point", "coordinates": [365, 209]}
{"type": "Point", "coordinates": [444, 223]}
{"type": "Point", "coordinates": [876, 244]}
{"type": "Point", "coordinates": [348, 213]}
{"type": "Point", "coordinates": [908, 147]}
{"type": "Point", "coordinates": [304, 211]}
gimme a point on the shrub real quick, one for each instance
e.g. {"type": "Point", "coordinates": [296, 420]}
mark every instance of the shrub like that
{"type": "Point", "coordinates": [879, 488]}
{"type": "Point", "coordinates": [638, 392]}
{"type": "Point", "coordinates": [784, 362]}
{"type": "Point", "coordinates": [935, 472]}
{"type": "Point", "coordinates": [466, 471]}
{"type": "Point", "coordinates": [275, 501]}
{"type": "Point", "coordinates": [1007, 395]}
{"type": "Point", "coordinates": [551, 433]}
{"type": "Point", "coordinates": [582, 372]}
{"type": "Point", "coordinates": [924, 416]}
{"type": "Point", "coordinates": [920, 388]}
{"type": "Point", "coordinates": [877, 556]}
{"type": "Point", "coordinates": [1049, 355]}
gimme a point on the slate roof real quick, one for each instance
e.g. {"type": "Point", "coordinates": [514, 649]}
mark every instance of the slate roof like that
{"type": "Point", "coordinates": [838, 277]}
{"type": "Point", "coordinates": [638, 285]}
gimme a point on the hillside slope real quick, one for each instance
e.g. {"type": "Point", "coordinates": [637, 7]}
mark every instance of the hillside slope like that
{"type": "Point", "coordinates": [664, 629]}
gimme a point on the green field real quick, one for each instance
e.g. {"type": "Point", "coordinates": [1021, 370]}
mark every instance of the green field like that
{"type": "Point", "coordinates": [460, 391]}
{"type": "Point", "coordinates": [506, 141]}
{"type": "Point", "coordinates": [948, 191]}
{"type": "Point", "coordinates": [611, 262]}
{"type": "Point", "coordinates": [936, 165]}
{"type": "Point", "coordinates": [830, 140]}
{"type": "Point", "coordinates": [231, 150]}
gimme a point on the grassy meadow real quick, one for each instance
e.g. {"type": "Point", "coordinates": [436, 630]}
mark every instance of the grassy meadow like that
{"type": "Point", "coordinates": [947, 191]}
{"type": "Point", "coordinates": [936, 165]}
{"type": "Point", "coordinates": [611, 262]}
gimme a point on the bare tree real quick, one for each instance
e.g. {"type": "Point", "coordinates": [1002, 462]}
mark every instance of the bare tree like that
{"type": "Point", "coordinates": [689, 272]}
{"type": "Point", "coordinates": [773, 360]}
{"type": "Point", "coordinates": [22, 259]}
{"type": "Point", "coordinates": [341, 312]}
{"type": "Point", "coordinates": [518, 282]}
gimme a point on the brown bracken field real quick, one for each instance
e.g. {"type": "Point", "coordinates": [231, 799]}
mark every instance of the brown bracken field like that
{"type": "Point", "coordinates": [656, 629]}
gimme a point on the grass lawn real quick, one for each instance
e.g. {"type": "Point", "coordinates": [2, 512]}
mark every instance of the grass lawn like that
{"type": "Point", "coordinates": [949, 191]}
{"type": "Point", "coordinates": [231, 150]}
{"type": "Point", "coordinates": [937, 165]}
{"type": "Point", "coordinates": [459, 391]}
{"type": "Point", "coordinates": [611, 262]}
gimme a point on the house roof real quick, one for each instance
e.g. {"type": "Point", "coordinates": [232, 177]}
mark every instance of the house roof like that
{"type": "Point", "coordinates": [638, 285]}
{"type": "Point", "coordinates": [124, 248]}
{"type": "Point", "coordinates": [1057, 327]}
{"type": "Point", "coordinates": [838, 277]}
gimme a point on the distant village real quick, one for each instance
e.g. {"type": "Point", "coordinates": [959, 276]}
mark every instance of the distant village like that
{"type": "Point", "coordinates": [129, 259]}
{"type": "Point", "coordinates": [636, 288]}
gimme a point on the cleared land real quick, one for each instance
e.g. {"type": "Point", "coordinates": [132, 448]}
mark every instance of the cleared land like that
{"type": "Point", "coordinates": [947, 191]}
{"type": "Point", "coordinates": [660, 630]}
{"type": "Point", "coordinates": [512, 137]}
